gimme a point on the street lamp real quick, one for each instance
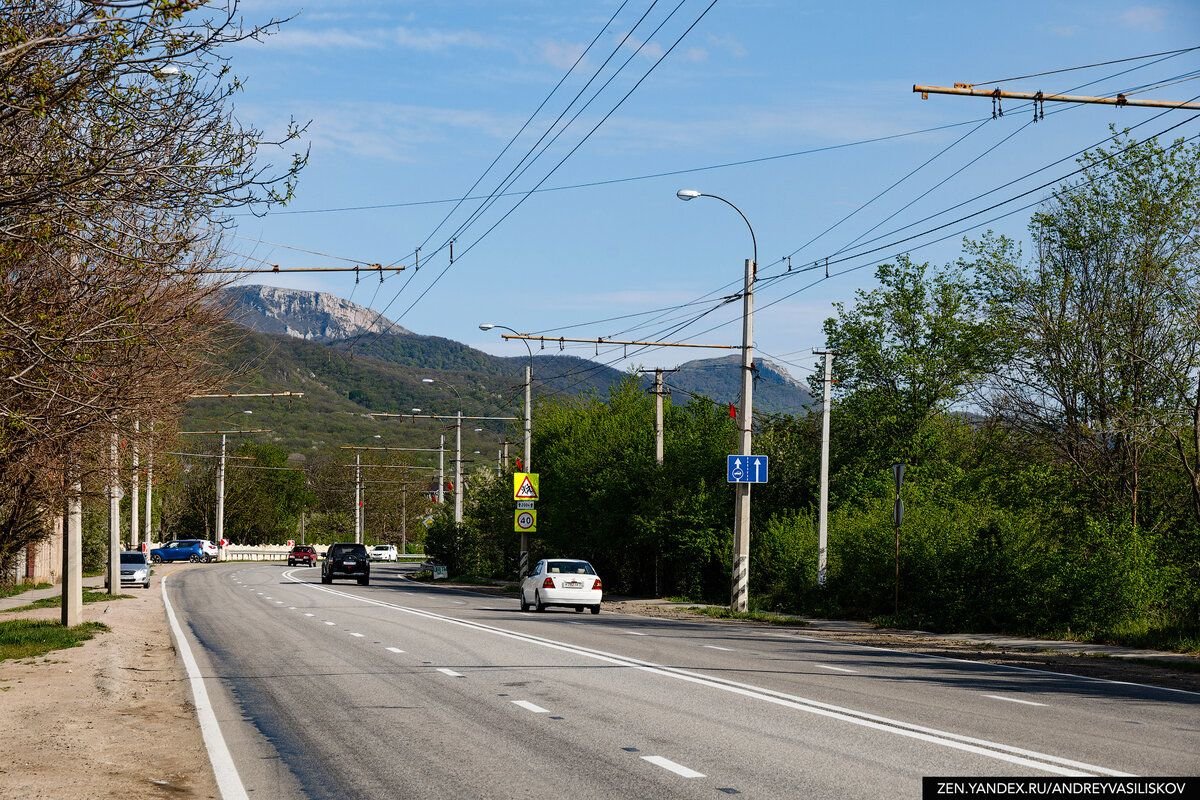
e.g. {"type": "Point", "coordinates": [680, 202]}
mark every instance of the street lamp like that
{"type": "Point", "coordinates": [739, 596]}
{"type": "Point", "coordinates": [526, 465]}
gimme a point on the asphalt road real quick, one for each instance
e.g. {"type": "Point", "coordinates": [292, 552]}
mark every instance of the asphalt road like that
{"type": "Point", "coordinates": [402, 690]}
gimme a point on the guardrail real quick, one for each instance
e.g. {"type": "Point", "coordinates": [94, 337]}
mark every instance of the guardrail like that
{"type": "Point", "coordinates": [281, 554]}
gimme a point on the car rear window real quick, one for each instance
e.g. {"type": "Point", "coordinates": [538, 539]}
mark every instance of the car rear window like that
{"type": "Point", "coordinates": [133, 558]}
{"type": "Point", "coordinates": [577, 567]}
{"type": "Point", "coordinates": [343, 550]}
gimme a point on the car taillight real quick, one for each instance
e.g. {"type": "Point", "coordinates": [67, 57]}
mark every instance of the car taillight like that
{"type": "Point", "coordinates": [548, 583]}
{"type": "Point", "coordinates": [597, 586]}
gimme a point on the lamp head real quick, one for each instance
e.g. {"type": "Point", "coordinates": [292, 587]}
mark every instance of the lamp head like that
{"type": "Point", "coordinates": [486, 326]}
{"type": "Point", "coordinates": [426, 380]}
{"type": "Point", "coordinates": [689, 194]}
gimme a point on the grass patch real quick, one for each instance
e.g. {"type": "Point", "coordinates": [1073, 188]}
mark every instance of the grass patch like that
{"type": "Point", "coordinates": [21, 588]}
{"type": "Point", "coordinates": [28, 638]}
{"type": "Point", "coordinates": [56, 601]}
{"type": "Point", "coordinates": [720, 612]}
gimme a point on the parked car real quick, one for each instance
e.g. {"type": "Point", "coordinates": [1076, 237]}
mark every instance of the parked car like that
{"type": "Point", "coordinates": [384, 552]}
{"type": "Point", "coordinates": [346, 560]}
{"type": "Point", "coordinates": [304, 554]}
{"type": "Point", "coordinates": [135, 569]}
{"type": "Point", "coordinates": [562, 582]}
{"type": "Point", "coordinates": [184, 550]}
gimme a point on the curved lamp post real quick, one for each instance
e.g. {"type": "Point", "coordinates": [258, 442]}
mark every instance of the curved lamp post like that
{"type": "Point", "coordinates": [526, 463]}
{"type": "Point", "coordinates": [740, 591]}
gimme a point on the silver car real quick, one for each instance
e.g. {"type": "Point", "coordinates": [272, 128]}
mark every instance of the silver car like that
{"type": "Point", "coordinates": [135, 569]}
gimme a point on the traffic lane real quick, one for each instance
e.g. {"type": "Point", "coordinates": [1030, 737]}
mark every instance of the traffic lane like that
{"type": "Point", "coordinates": [691, 722]}
{"type": "Point", "coordinates": [352, 716]}
{"type": "Point", "coordinates": [1149, 730]}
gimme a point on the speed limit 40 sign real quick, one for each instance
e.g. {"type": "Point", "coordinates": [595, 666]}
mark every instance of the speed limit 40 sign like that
{"type": "Point", "coordinates": [525, 521]}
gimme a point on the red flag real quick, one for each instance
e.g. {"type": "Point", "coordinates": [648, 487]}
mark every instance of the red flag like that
{"type": "Point", "coordinates": [732, 411]}
{"type": "Point", "coordinates": [520, 466]}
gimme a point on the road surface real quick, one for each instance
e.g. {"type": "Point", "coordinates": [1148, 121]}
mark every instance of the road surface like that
{"type": "Point", "coordinates": [399, 689]}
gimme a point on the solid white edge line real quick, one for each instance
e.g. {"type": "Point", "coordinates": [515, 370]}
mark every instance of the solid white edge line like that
{"type": "Point", "coordinates": [970, 744]}
{"type": "Point", "coordinates": [715, 647]}
{"type": "Point", "coordinates": [528, 706]}
{"type": "Point", "coordinates": [678, 769]}
{"type": "Point", "coordinates": [1014, 700]}
{"type": "Point", "coordinates": [229, 783]}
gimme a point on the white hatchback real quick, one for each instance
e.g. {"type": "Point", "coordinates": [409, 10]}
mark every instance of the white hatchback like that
{"type": "Point", "coordinates": [383, 552]}
{"type": "Point", "coordinates": [562, 582]}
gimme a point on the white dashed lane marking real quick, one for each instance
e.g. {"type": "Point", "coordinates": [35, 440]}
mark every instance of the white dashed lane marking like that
{"type": "Point", "coordinates": [714, 647]}
{"type": "Point", "coordinates": [309, 615]}
{"type": "Point", "coordinates": [393, 649]}
{"type": "Point", "coordinates": [1014, 700]}
{"type": "Point", "coordinates": [327, 622]}
{"type": "Point", "coordinates": [359, 635]}
{"type": "Point", "coordinates": [835, 669]}
{"type": "Point", "coordinates": [450, 672]}
{"type": "Point", "coordinates": [525, 704]}
{"type": "Point", "coordinates": [678, 769]}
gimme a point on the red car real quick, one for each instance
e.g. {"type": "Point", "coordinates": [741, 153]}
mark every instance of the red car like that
{"type": "Point", "coordinates": [304, 554]}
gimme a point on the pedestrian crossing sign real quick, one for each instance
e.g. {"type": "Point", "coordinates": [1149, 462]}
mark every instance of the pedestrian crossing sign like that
{"type": "Point", "coordinates": [525, 486]}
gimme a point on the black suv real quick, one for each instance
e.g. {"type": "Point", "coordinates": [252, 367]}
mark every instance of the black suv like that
{"type": "Point", "coordinates": [346, 560]}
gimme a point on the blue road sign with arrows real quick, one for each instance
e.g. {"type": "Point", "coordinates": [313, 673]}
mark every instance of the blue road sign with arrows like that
{"type": "Point", "coordinates": [746, 469]}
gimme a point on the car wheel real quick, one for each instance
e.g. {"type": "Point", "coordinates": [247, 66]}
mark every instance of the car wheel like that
{"type": "Point", "coordinates": [524, 605]}
{"type": "Point", "coordinates": [364, 581]}
{"type": "Point", "coordinates": [195, 559]}
{"type": "Point", "coordinates": [537, 599]}
{"type": "Point", "coordinates": [326, 579]}
{"type": "Point", "coordinates": [156, 559]}
{"type": "Point", "coordinates": [596, 608]}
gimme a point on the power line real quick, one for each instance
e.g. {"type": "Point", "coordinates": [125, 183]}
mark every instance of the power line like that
{"type": "Point", "coordinates": [1090, 66]}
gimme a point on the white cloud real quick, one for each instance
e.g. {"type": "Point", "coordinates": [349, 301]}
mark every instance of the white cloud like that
{"type": "Point", "coordinates": [561, 55]}
{"type": "Point", "coordinates": [427, 40]}
{"type": "Point", "coordinates": [1145, 18]}
{"type": "Point", "coordinates": [695, 55]}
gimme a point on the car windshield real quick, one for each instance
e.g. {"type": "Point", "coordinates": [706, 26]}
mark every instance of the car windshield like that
{"type": "Point", "coordinates": [133, 558]}
{"type": "Point", "coordinates": [578, 567]}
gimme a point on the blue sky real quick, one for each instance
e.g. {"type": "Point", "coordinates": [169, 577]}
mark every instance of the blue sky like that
{"type": "Point", "coordinates": [410, 102]}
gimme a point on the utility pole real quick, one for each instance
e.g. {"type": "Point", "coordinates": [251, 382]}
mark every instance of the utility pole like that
{"type": "Point", "coordinates": [441, 487]}
{"type": "Point", "coordinates": [740, 596]}
{"type": "Point", "coordinates": [458, 487]}
{"type": "Point", "coordinates": [527, 464]}
{"type": "Point", "coordinates": [658, 411]}
{"type": "Point", "coordinates": [220, 526]}
{"type": "Point", "coordinates": [897, 518]}
{"type": "Point", "coordinates": [72, 568]}
{"type": "Point", "coordinates": [823, 508]}
{"type": "Point", "coordinates": [114, 518]}
{"type": "Point", "coordinates": [149, 485]}
{"type": "Point", "coordinates": [358, 501]}
{"type": "Point", "coordinates": [134, 528]}
{"type": "Point", "coordinates": [403, 521]}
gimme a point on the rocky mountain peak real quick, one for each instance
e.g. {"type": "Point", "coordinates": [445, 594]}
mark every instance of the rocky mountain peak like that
{"type": "Point", "coordinates": [313, 316]}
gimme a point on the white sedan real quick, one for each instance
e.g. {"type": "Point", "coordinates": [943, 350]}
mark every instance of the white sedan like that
{"type": "Point", "coordinates": [562, 582]}
{"type": "Point", "coordinates": [383, 552]}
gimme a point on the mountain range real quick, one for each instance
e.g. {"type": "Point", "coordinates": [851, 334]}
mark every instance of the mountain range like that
{"type": "Point", "coordinates": [349, 361]}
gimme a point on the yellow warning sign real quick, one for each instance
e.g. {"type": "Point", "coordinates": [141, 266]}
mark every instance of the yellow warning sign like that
{"type": "Point", "coordinates": [525, 521]}
{"type": "Point", "coordinates": [525, 486]}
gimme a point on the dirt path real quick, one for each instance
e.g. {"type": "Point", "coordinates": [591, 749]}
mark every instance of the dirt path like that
{"type": "Point", "coordinates": [110, 719]}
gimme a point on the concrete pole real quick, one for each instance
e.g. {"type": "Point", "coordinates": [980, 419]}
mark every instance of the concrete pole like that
{"type": "Point", "coordinates": [220, 525]}
{"type": "Point", "coordinates": [458, 487]}
{"type": "Point", "coordinates": [72, 567]}
{"type": "Point", "coordinates": [658, 417]}
{"type": "Point", "coordinates": [358, 497]}
{"type": "Point", "coordinates": [823, 508]}
{"type": "Point", "coordinates": [134, 499]}
{"type": "Point", "coordinates": [114, 519]}
{"type": "Point", "coordinates": [403, 521]}
{"type": "Point", "coordinates": [441, 489]}
{"type": "Point", "coordinates": [149, 493]}
{"type": "Point", "coordinates": [527, 464]}
{"type": "Point", "coordinates": [740, 594]}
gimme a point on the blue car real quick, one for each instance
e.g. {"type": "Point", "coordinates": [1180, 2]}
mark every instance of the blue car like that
{"type": "Point", "coordinates": [183, 550]}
